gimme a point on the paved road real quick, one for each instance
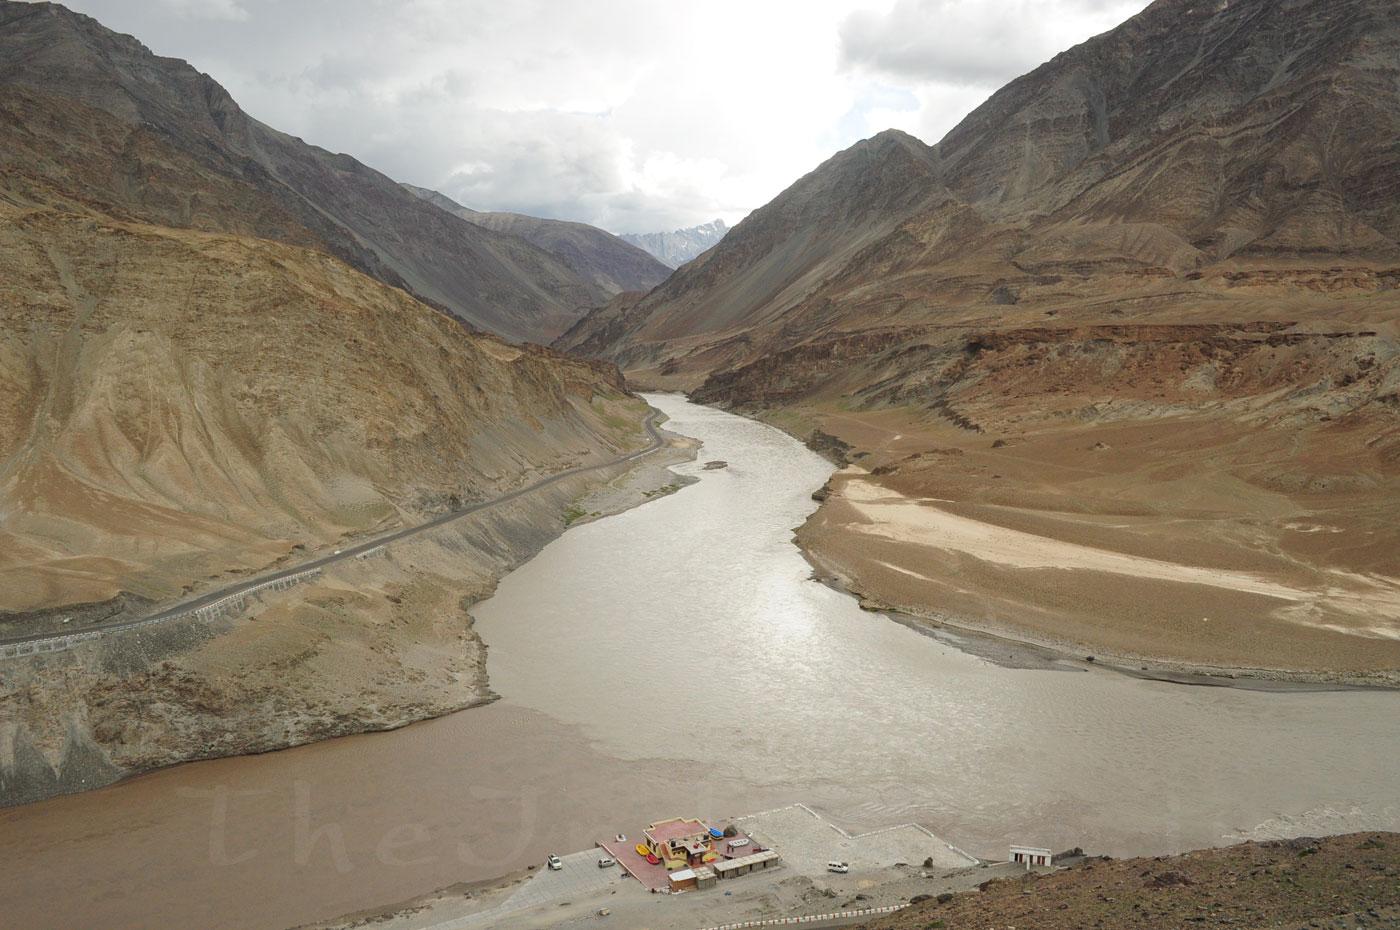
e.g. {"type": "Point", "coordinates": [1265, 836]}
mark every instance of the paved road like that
{"type": "Point", "coordinates": [348, 552]}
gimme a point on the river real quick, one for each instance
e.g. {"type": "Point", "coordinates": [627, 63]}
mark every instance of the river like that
{"type": "Point", "coordinates": [676, 660]}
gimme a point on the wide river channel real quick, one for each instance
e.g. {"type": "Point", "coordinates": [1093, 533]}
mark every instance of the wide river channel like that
{"type": "Point", "coordinates": [677, 660]}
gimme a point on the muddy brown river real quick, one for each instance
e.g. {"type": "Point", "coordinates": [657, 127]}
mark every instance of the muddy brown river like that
{"type": "Point", "coordinates": [676, 660]}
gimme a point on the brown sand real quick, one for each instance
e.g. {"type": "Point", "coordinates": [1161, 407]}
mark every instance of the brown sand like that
{"type": "Point", "coordinates": [1175, 545]}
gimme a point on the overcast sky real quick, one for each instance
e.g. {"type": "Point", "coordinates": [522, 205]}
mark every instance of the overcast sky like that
{"type": "Point", "coordinates": [633, 115]}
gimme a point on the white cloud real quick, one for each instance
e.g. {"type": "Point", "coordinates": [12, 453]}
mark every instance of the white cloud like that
{"type": "Point", "coordinates": [972, 42]}
{"type": "Point", "coordinates": [635, 115]}
{"type": "Point", "coordinates": [204, 9]}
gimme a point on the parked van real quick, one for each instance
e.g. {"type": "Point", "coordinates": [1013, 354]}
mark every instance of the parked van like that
{"type": "Point", "coordinates": [839, 868]}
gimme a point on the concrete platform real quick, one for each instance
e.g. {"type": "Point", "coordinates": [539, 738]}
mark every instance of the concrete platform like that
{"type": "Point", "coordinates": [808, 841]}
{"type": "Point", "coordinates": [652, 877]}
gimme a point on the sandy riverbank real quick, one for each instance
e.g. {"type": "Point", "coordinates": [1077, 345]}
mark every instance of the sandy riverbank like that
{"type": "Point", "coordinates": [947, 564]}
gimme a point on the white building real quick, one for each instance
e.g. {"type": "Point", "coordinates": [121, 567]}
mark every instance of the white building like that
{"type": "Point", "coordinates": [1030, 856]}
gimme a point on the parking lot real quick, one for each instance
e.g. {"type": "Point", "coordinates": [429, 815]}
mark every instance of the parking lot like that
{"type": "Point", "coordinates": [807, 841]}
{"type": "Point", "coordinates": [580, 878]}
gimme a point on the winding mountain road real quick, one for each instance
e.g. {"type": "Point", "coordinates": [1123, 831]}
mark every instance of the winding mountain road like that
{"type": "Point", "coordinates": [340, 555]}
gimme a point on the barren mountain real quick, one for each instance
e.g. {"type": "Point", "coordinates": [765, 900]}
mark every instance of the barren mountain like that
{"type": "Point", "coordinates": [679, 246]}
{"type": "Point", "coordinates": [197, 384]}
{"type": "Point", "coordinates": [156, 140]}
{"type": "Point", "coordinates": [1143, 301]}
{"type": "Point", "coordinates": [768, 261]}
{"type": "Point", "coordinates": [592, 253]}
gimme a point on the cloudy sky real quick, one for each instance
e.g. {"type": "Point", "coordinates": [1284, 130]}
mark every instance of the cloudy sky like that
{"type": "Point", "coordinates": [633, 115]}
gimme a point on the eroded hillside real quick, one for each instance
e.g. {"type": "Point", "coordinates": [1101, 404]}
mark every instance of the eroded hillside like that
{"type": "Point", "coordinates": [181, 403]}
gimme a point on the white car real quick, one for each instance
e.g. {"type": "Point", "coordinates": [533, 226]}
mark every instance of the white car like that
{"type": "Point", "coordinates": [840, 868]}
{"type": "Point", "coordinates": [606, 863]}
{"type": "Point", "coordinates": [555, 863]}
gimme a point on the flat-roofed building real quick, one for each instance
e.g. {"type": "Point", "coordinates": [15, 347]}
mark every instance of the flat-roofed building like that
{"type": "Point", "coordinates": [680, 839]}
{"type": "Point", "coordinates": [704, 877]}
{"type": "Point", "coordinates": [684, 880]}
{"type": "Point", "coordinates": [729, 868]}
{"type": "Point", "coordinates": [1030, 856]}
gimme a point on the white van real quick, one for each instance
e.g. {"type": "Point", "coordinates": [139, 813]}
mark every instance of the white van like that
{"type": "Point", "coordinates": [840, 868]}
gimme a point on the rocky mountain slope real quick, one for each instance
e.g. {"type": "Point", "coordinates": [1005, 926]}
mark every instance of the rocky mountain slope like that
{"type": "Point", "coordinates": [197, 383]}
{"type": "Point", "coordinates": [592, 253]}
{"type": "Point", "coordinates": [679, 246]}
{"type": "Point", "coordinates": [1339, 882]}
{"type": "Point", "coordinates": [1102, 169]}
{"type": "Point", "coordinates": [779, 253]}
{"type": "Point", "coordinates": [161, 142]}
{"type": "Point", "coordinates": [1143, 299]}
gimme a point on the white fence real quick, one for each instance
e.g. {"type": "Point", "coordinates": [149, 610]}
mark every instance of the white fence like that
{"type": "Point", "coordinates": [810, 918]}
{"type": "Point", "coordinates": [229, 606]}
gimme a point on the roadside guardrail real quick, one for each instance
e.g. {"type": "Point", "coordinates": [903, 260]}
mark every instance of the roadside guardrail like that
{"type": "Point", "coordinates": [810, 918]}
{"type": "Point", "coordinates": [223, 607]}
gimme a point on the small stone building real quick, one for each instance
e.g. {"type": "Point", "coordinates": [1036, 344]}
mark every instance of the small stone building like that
{"type": "Point", "coordinates": [729, 868]}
